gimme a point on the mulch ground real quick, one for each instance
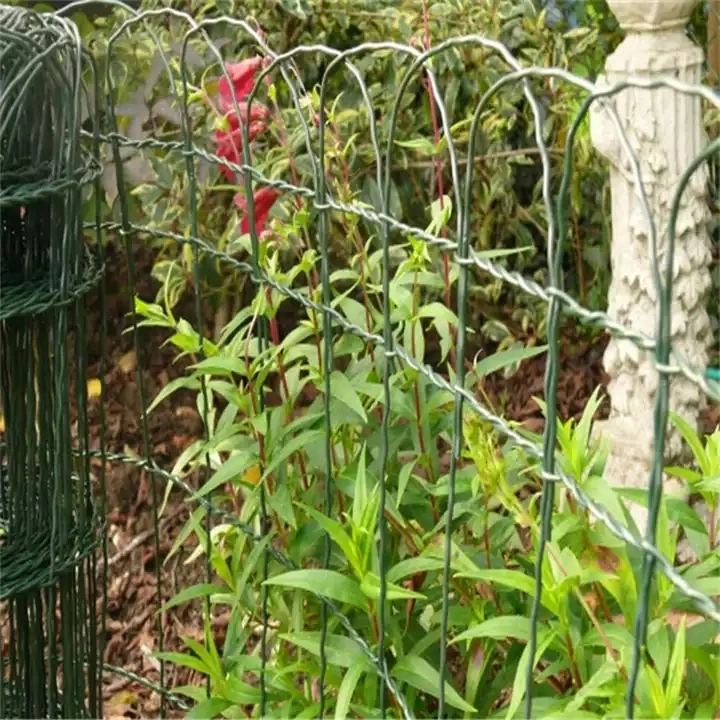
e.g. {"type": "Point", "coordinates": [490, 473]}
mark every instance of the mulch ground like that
{"type": "Point", "coordinates": [133, 560]}
{"type": "Point", "coordinates": [133, 601]}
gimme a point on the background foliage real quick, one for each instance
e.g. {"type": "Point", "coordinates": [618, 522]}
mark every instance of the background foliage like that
{"type": "Point", "coordinates": [509, 212]}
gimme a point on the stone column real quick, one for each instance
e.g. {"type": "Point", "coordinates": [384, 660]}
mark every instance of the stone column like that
{"type": "Point", "coordinates": [665, 130]}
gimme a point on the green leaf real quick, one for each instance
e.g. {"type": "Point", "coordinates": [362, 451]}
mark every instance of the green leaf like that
{"type": "Point", "coordinates": [220, 365]}
{"type": "Point", "coordinates": [299, 442]}
{"type": "Point", "coordinates": [232, 468]}
{"type": "Point", "coordinates": [509, 578]}
{"type": "Point", "coordinates": [544, 638]}
{"type": "Point", "coordinates": [582, 432]}
{"type": "Point", "coordinates": [681, 513]}
{"type": "Point", "coordinates": [708, 585]}
{"type": "Point", "coordinates": [506, 358]}
{"type": "Point", "coordinates": [438, 311]}
{"type": "Point", "coordinates": [190, 383]}
{"type": "Point", "coordinates": [281, 502]}
{"type": "Point", "coordinates": [339, 536]}
{"type": "Point", "coordinates": [502, 252]}
{"type": "Point", "coordinates": [325, 583]}
{"type": "Point", "coordinates": [192, 593]}
{"type": "Point", "coordinates": [686, 474]}
{"type": "Point", "coordinates": [198, 694]}
{"type": "Point", "coordinates": [347, 688]}
{"type": "Point", "coordinates": [192, 524]}
{"type": "Point", "coordinates": [361, 492]}
{"type": "Point", "coordinates": [498, 628]}
{"type": "Point", "coordinates": [440, 212]}
{"type": "Point", "coordinates": [209, 656]}
{"type": "Point", "coordinates": [709, 485]}
{"type": "Point", "coordinates": [339, 650]}
{"type": "Point", "coordinates": [370, 585]}
{"type": "Point", "coordinates": [420, 674]}
{"type": "Point", "coordinates": [185, 660]}
{"type": "Point", "coordinates": [691, 438]}
{"type": "Point", "coordinates": [597, 489]}
{"type": "Point", "coordinates": [593, 687]}
{"type": "Point", "coordinates": [422, 145]}
{"type": "Point", "coordinates": [657, 693]}
{"type": "Point", "coordinates": [239, 692]}
{"type": "Point", "coordinates": [676, 669]}
{"type": "Point", "coordinates": [403, 479]}
{"type": "Point", "coordinates": [209, 708]}
{"type": "Point", "coordinates": [249, 562]}
{"type": "Point", "coordinates": [341, 389]}
{"type": "Point", "coordinates": [413, 565]}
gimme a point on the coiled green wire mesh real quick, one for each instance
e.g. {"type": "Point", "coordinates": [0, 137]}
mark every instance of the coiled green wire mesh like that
{"type": "Point", "coordinates": [51, 524]}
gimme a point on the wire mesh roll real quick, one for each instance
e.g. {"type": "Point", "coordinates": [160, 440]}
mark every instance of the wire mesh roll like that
{"type": "Point", "coordinates": [50, 524]}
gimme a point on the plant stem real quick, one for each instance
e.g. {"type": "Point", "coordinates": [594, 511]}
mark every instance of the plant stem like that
{"type": "Point", "coordinates": [439, 176]}
{"type": "Point", "coordinates": [712, 529]}
{"type": "Point", "coordinates": [575, 671]}
{"type": "Point", "coordinates": [418, 406]}
{"type": "Point", "coordinates": [275, 337]}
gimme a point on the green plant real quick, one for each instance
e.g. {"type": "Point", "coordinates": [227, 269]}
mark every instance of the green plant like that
{"type": "Point", "coordinates": [590, 579]}
{"type": "Point", "coordinates": [267, 463]}
{"type": "Point", "coordinates": [703, 481]}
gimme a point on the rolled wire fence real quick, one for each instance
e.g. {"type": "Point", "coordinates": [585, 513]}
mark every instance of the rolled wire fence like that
{"type": "Point", "coordinates": [51, 523]}
{"type": "Point", "coordinates": [102, 133]}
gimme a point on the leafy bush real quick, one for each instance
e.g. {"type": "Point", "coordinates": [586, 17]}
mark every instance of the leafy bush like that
{"type": "Point", "coordinates": [507, 206]}
{"type": "Point", "coordinates": [590, 579]}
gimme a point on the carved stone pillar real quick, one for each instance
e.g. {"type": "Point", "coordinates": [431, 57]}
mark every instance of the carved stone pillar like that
{"type": "Point", "coordinates": [665, 130]}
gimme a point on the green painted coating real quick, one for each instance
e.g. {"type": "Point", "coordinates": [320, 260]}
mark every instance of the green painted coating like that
{"type": "Point", "coordinates": [51, 515]}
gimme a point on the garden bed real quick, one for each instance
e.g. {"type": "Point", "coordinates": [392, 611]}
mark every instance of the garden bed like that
{"type": "Point", "coordinates": [132, 599]}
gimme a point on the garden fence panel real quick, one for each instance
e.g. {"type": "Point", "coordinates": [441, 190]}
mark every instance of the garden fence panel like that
{"type": "Point", "coordinates": [107, 135]}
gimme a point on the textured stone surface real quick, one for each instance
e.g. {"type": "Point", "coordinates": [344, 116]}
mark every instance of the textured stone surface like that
{"type": "Point", "coordinates": [652, 14]}
{"type": "Point", "coordinates": [664, 130]}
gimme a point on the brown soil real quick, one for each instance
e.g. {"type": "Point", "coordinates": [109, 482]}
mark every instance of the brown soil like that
{"type": "Point", "coordinates": [133, 602]}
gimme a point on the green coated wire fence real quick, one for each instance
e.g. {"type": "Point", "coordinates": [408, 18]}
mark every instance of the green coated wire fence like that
{"type": "Point", "coordinates": [38, 387]}
{"type": "Point", "coordinates": [51, 525]}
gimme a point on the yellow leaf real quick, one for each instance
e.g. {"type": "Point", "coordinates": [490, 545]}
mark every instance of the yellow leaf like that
{"type": "Point", "coordinates": [252, 475]}
{"type": "Point", "coordinates": [128, 362]}
{"type": "Point", "coordinates": [124, 697]}
{"type": "Point", "coordinates": [211, 87]}
{"type": "Point", "coordinates": [94, 388]}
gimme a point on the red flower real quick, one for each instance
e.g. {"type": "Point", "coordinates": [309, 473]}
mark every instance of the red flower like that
{"type": "Point", "coordinates": [242, 76]}
{"type": "Point", "coordinates": [263, 199]}
{"type": "Point", "coordinates": [228, 143]}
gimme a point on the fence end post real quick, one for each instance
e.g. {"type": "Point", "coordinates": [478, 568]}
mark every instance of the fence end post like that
{"type": "Point", "coordinates": [664, 129]}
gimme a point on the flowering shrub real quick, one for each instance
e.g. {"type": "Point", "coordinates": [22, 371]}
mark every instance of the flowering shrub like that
{"type": "Point", "coordinates": [242, 80]}
{"type": "Point", "coordinates": [263, 200]}
{"type": "Point", "coordinates": [228, 141]}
